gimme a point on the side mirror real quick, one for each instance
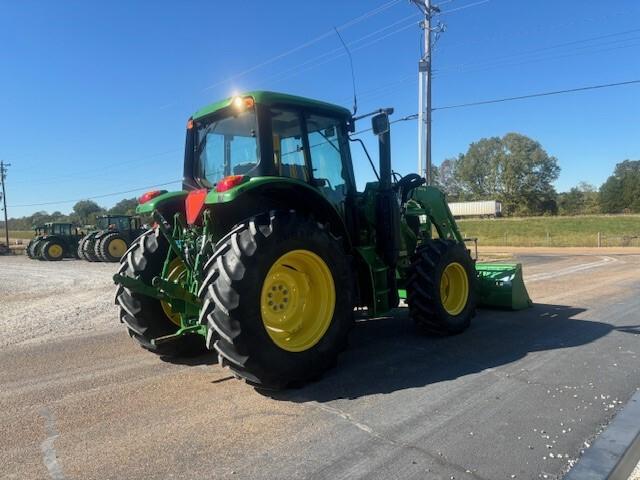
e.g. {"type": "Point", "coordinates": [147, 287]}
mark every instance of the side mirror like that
{"type": "Point", "coordinates": [380, 124]}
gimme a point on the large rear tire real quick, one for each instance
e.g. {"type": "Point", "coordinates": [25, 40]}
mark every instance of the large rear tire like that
{"type": "Point", "coordinates": [52, 251]}
{"type": "Point", "coordinates": [30, 250]}
{"type": "Point", "coordinates": [144, 316]}
{"type": "Point", "coordinates": [277, 299]}
{"type": "Point", "coordinates": [441, 287]}
{"type": "Point", "coordinates": [111, 247]}
{"type": "Point", "coordinates": [88, 248]}
{"type": "Point", "coordinates": [80, 249]}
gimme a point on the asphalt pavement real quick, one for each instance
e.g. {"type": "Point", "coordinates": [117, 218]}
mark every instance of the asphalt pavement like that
{"type": "Point", "coordinates": [518, 395]}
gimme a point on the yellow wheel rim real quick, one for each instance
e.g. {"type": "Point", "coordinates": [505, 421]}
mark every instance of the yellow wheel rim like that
{"type": "Point", "coordinates": [117, 247]}
{"type": "Point", "coordinates": [454, 288]}
{"type": "Point", "coordinates": [55, 250]}
{"type": "Point", "coordinates": [177, 271]}
{"type": "Point", "coordinates": [297, 300]}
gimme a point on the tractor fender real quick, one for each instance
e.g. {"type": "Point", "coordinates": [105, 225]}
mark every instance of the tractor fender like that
{"type": "Point", "coordinates": [167, 204]}
{"type": "Point", "coordinates": [274, 193]}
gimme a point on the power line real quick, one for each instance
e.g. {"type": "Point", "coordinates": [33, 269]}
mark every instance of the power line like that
{"type": "Point", "coordinates": [516, 55]}
{"type": "Point", "coordinates": [534, 95]}
{"type": "Point", "coordinates": [98, 196]}
{"type": "Point", "coordinates": [307, 44]}
{"type": "Point", "coordinates": [509, 99]}
{"type": "Point", "coordinates": [464, 7]}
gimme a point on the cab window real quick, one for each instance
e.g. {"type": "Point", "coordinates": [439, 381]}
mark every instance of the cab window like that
{"type": "Point", "coordinates": [288, 146]}
{"type": "Point", "coordinates": [325, 148]}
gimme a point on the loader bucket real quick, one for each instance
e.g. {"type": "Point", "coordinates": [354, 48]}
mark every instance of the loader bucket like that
{"type": "Point", "coordinates": [501, 285]}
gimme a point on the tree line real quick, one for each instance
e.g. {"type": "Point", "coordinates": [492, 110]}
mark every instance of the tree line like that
{"type": "Point", "coordinates": [517, 171]}
{"type": "Point", "coordinates": [514, 169]}
{"type": "Point", "coordinates": [84, 213]}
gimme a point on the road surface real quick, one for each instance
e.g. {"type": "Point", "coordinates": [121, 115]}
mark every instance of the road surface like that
{"type": "Point", "coordinates": [519, 395]}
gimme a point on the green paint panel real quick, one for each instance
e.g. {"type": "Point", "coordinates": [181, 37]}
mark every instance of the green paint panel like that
{"type": "Point", "coordinates": [253, 182]}
{"type": "Point", "coordinates": [152, 204]}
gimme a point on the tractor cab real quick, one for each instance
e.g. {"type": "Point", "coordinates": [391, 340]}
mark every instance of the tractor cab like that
{"type": "Point", "coordinates": [265, 134]}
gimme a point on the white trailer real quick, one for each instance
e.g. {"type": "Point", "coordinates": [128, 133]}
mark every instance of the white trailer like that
{"type": "Point", "coordinates": [484, 208]}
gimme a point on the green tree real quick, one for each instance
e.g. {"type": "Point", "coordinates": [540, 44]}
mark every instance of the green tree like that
{"type": "Point", "coordinates": [446, 178]}
{"type": "Point", "coordinates": [583, 199]}
{"type": "Point", "coordinates": [621, 192]}
{"type": "Point", "coordinates": [126, 206]}
{"type": "Point", "coordinates": [514, 169]}
{"type": "Point", "coordinates": [86, 210]}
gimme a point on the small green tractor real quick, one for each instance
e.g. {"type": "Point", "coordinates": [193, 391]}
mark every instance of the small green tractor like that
{"type": "Point", "coordinates": [110, 240]}
{"type": "Point", "coordinates": [54, 241]}
{"type": "Point", "coordinates": [268, 251]}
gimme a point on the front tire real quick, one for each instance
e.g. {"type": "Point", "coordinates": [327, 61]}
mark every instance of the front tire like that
{"type": "Point", "coordinates": [277, 299]}
{"type": "Point", "coordinates": [441, 287]}
{"type": "Point", "coordinates": [144, 316]}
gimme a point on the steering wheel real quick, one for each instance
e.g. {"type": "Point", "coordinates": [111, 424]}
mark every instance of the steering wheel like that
{"type": "Point", "coordinates": [408, 183]}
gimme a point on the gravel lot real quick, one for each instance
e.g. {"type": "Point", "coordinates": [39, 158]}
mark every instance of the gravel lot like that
{"type": "Point", "coordinates": [519, 395]}
{"type": "Point", "coordinates": [46, 300]}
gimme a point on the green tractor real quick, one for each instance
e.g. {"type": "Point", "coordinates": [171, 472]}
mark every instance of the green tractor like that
{"type": "Point", "coordinates": [38, 233]}
{"type": "Point", "coordinates": [59, 240]}
{"type": "Point", "coordinates": [269, 249]}
{"type": "Point", "coordinates": [110, 240]}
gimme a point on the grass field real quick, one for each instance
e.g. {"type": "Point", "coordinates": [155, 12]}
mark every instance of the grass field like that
{"type": "Point", "coordinates": [615, 231]}
{"type": "Point", "coordinates": [21, 234]}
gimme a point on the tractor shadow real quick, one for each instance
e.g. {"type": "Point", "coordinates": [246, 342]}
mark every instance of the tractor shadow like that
{"type": "Point", "coordinates": [388, 354]}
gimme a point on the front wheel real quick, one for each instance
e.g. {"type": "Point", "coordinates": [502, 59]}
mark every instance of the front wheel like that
{"type": "Point", "coordinates": [441, 287]}
{"type": "Point", "coordinates": [277, 299]}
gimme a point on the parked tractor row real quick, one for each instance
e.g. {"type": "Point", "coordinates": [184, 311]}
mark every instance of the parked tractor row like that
{"type": "Point", "coordinates": [107, 243]}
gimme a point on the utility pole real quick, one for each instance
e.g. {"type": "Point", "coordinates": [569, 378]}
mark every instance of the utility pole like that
{"type": "Point", "coordinates": [424, 89]}
{"type": "Point", "coordinates": [3, 174]}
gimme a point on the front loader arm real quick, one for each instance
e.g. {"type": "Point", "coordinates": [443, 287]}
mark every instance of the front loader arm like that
{"type": "Point", "coordinates": [435, 207]}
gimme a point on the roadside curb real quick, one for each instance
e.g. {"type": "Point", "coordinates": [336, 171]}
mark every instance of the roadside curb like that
{"type": "Point", "coordinates": [616, 451]}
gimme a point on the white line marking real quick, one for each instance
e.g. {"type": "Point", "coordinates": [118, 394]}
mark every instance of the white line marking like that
{"type": "Point", "coordinates": [48, 451]}
{"type": "Point", "coordinates": [570, 270]}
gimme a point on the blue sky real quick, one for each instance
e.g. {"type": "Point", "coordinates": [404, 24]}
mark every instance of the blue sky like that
{"type": "Point", "coordinates": [95, 95]}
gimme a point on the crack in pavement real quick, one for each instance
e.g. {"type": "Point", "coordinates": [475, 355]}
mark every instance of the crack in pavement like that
{"type": "Point", "coordinates": [383, 438]}
{"type": "Point", "coordinates": [49, 456]}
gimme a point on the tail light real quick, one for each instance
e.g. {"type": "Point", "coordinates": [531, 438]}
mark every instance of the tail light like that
{"type": "Point", "coordinates": [150, 195]}
{"type": "Point", "coordinates": [229, 182]}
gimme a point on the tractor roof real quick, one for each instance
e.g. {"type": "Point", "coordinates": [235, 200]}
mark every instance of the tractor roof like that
{"type": "Point", "coordinates": [274, 98]}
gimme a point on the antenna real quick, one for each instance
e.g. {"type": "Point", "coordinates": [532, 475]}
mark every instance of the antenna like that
{"type": "Point", "coordinates": [353, 75]}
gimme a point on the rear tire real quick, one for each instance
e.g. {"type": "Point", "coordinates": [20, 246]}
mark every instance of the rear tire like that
{"type": "Point", "coordinates": [436, 309]}
{"type": "Point", "coordinates": [142, 315]}
{"type": "Point", "coordinates": [80, 249]}
{"type": "Point", "coordinates": [30, 250]}
{"type": "Point", "coordinates": [88, 248]}
{"type": "Point", "coordinates": [52, 251]}
{"type": "Point", "coordinates": [111, 247]}
{"type": "Point", "coordinates": [235, 289]}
